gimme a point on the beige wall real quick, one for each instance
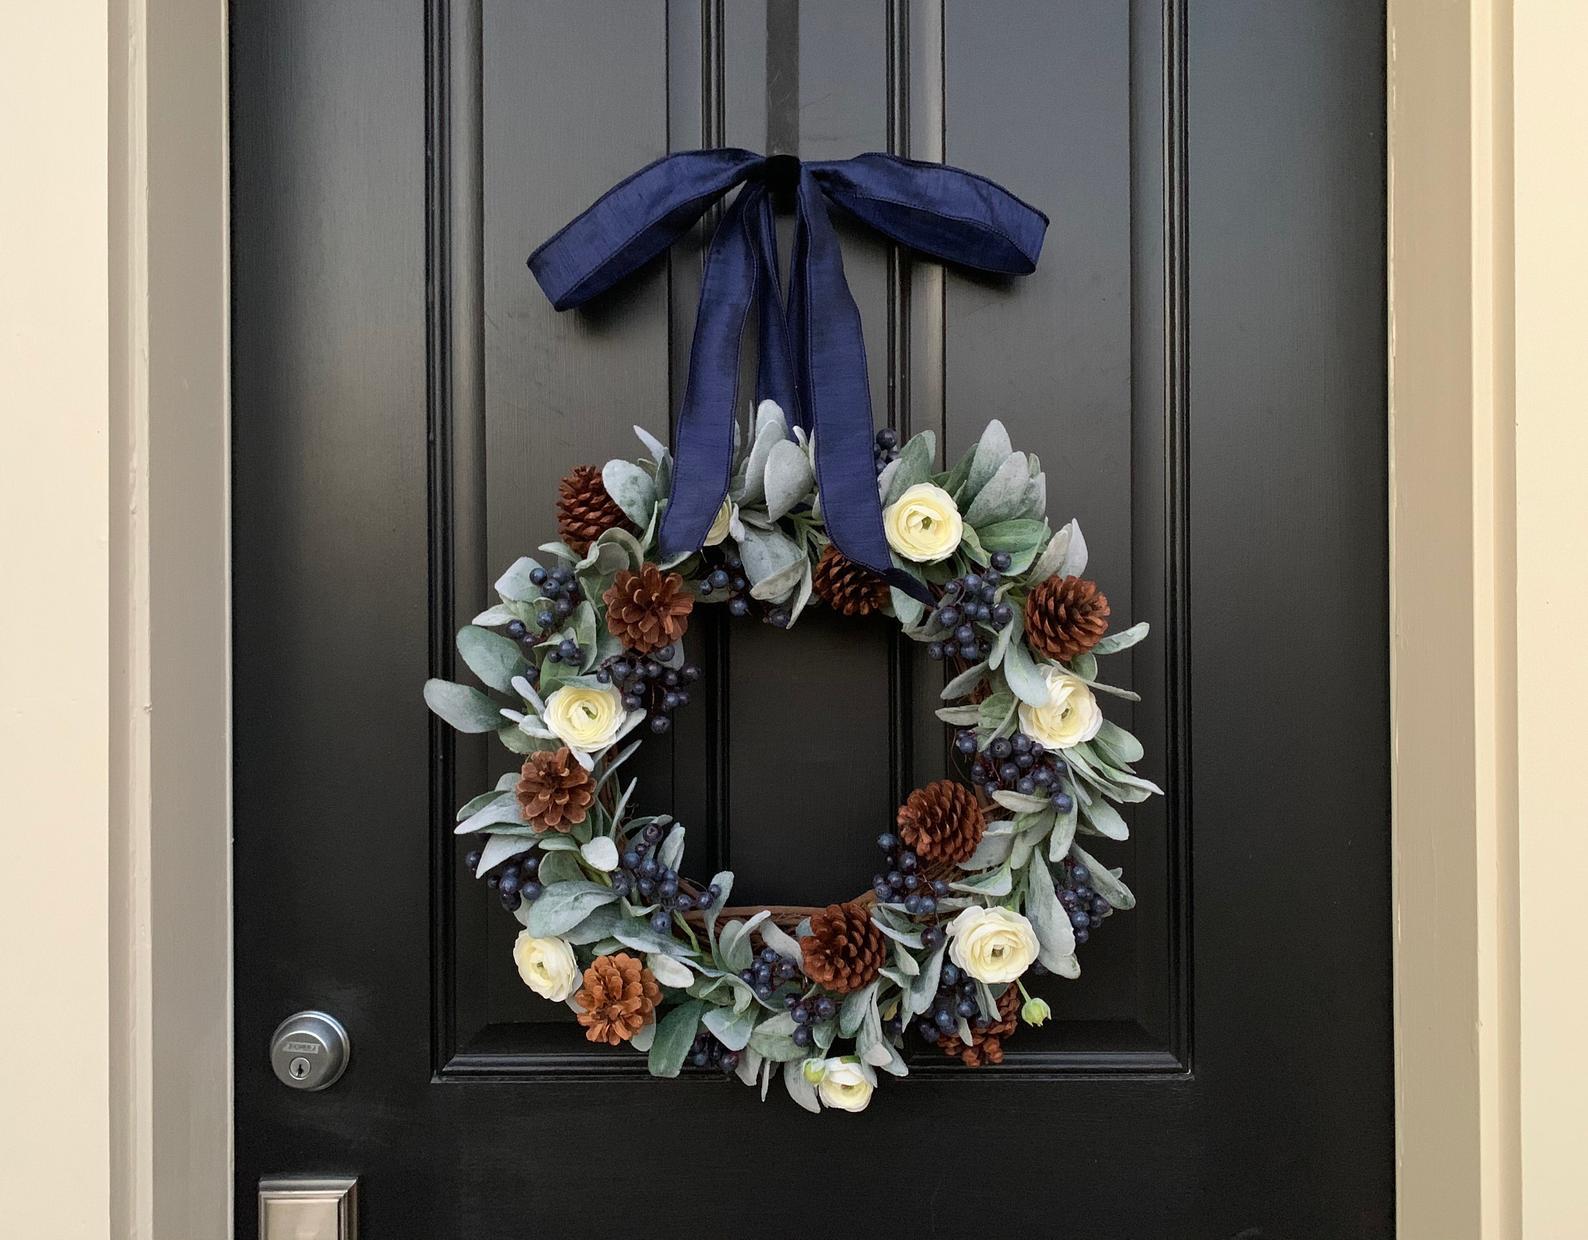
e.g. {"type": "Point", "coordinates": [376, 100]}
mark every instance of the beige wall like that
{"type": "Point", "coordinates": [113, 722]}
{"type": "Point", "coordinates": [1551, 109]}
{"type": "Point", "coordinates": [113, 658]}
{"type": "Point", "coordinates": [54, 656]}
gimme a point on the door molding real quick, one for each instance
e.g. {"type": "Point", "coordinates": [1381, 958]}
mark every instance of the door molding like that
{"type": "Point", "coordinates": [1467, 560]}
{"type": "Point", "coordinates": [169, 833]}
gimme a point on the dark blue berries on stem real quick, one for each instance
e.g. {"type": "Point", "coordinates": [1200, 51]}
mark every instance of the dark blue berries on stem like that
{"type": "Point", "coordinates": [1086, 909]}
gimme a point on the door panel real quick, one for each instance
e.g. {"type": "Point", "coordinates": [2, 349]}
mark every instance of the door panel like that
{"type": "Point", "coordinates": [1198, 360]}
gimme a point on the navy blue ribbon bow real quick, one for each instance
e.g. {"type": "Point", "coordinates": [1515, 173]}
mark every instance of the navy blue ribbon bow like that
{"type": "Point", "coordinates": [812, 354]}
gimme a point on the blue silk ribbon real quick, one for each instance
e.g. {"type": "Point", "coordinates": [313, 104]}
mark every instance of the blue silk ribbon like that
{"type": "Point", "coordinates": [812, 353]}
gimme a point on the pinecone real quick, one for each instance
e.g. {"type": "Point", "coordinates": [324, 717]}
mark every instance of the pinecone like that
{"type": "Point", "coordinates": [619, 998]}
{"type": "Point", "coordinates": [844, 950]}
{"type": "Point", "coordinates": [987, 1044]}
{"type": "Point", "coordinates": [848, 588]}
{"type": "Point", "coordinates": [647, 610]}
{"type": "Point", "coordinates": [1065, 617]}
{"type": "Point", "coordinates": [585, 510]}
{"type": "Point", "coordinates": [554, 791]}
{"type": "Point", "coordinates": [942, 821]}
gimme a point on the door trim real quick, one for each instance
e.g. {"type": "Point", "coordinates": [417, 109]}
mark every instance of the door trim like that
{"type": "Point", "coordinates": [169, 832]}
{"type": "Point", "coordinates": [1456, 593]}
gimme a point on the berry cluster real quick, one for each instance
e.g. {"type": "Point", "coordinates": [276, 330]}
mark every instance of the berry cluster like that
{"type": "Point", "coordinates": [647, 683]}
{"type": "Point", "coordinates": [1017, 764]}
{"type": "Point", "coordinates": [642, 876]}
{"type": "Point", "coordinates": [807, 1013]}
{"type": "Point", "coordinates": [1086, 908]}
{"type": "Point", "coordinates": [768, 973]}
{"type": "Point", "coordinates": [728, 578]}
{"type": "Point", "coordinates": [887, 449]}
{"type": "Point", "coordinates": [904, 883]}
{"type": "Point", "coordinates": [956, 997]}
{"type": "Point", "coordinates": [560, 594]}
{"type": "Point", "coordinates": [707, 1052]}
{"type": "Point", "coordinates": [514, 880]}
{"type": "Point", "coordinates": [966, 602]}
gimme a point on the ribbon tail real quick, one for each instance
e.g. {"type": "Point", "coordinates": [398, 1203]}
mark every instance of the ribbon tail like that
{"type": "Point", "coordinates": [832, 351]}
{"type": "Point", "coordinates": [775, 379]}
{"type": "Point", "coordinates": [703, 437]}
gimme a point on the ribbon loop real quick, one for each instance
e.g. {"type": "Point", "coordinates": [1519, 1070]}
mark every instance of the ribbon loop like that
{"type": "Point", "coordinates": [812, 348]}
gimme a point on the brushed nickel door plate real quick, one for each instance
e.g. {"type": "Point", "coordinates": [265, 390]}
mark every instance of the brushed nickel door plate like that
{"type": "Point", "coordinates": [308, 1208]}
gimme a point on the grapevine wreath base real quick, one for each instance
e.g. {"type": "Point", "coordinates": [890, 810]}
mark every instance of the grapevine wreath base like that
{"type": "Point", "coordinates": [978, 882]}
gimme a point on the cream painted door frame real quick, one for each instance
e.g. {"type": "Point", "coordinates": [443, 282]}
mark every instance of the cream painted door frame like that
{"type": "Point", "coordinates": [1487, 320]}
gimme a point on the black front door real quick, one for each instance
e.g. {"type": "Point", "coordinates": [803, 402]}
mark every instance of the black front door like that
{"type": "Point", "coordinates": [1199, 360]}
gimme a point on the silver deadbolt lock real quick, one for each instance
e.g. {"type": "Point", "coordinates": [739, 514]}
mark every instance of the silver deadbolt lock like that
{"type": "Point", "coordinates": [310, 1051]}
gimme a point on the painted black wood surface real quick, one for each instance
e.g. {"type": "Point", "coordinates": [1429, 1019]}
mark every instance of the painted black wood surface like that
{"type": "Point", "coordinates": [1199, 360]}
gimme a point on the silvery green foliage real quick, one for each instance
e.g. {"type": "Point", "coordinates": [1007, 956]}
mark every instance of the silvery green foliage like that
{"type": "Point", "coordinates": [773, 523]}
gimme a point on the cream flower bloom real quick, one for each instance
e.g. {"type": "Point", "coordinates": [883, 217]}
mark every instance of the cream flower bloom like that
{"type": "Point", "coordinates": [547, 966]}
{"type": "Point", "coordinates": [721, 523]}
{"type": "Point", "coordinates": [585, 717]}
{"type": "Point", "coordinates": [992, 944]}
{"type": "Point", "coordinates": [1069, 716]}
{"type": "Point", "coordinates": [844, 1086]}
{"type": "Point", "coordinates": [923, 525]}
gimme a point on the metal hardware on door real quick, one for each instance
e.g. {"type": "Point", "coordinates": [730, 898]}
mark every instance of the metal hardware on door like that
{"type": "Point", "coordinates": [303, 1208]}
{"type": "Point", "coordinates": [310, 1051]}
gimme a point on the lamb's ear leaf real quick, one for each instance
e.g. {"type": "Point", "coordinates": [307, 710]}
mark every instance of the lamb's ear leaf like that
{"type": "Point", "coordinates": [992, 450]}
{"type": "Point", "coordinates": [731, 1028]}
{"type": "Point", "coordinates": [1004, 497]}
{"type": "Point", "coordinates": [675, 1034]}
{"type": "Point", "coordinates": [1047, 916]}
{"type": "Point", "coordinates": [799, 1089]}
{"type": "Point", "coordinates": [1025, 678]}
{"type": "Point", "coordinates": [464, 707]}
{"type": "Point", "coordinates": [1112, 643]}
{"type": "Point", "coordinates": [563, 905]}
{"type": "Point", "coordinates": [913, 466]}
{"type": "Point", "coordinates": [514, 585]}
{"type": "Point", "coordinates": [1104, 819]}
{"type": "Point", "coordinates": [632, 489]}
{"type": "Point", "coordinates": [1104, 881]}
{"type": "Point", "coordinates": [788, 478]}
{"type": "Point", "coordinates": [653, 445]}
{"type": "Point", "coordinates": [493, 658]}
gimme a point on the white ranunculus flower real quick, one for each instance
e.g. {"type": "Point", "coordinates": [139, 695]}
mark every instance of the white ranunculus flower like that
{"type": "Point", "coordinates": [547, 966]}
{"type": "Point", "coordinates": [992, 944]}
{"type": "Point", "coordinates": [1069, 716]}
{"type": "Point", "coordinates": [721, 523]}
{"type": "Point", "coordinates": [923, 524]}
{"type": "Point", "coordinates": [845, 1086]}
{"type": "Point", "coordinates": [585, 717]}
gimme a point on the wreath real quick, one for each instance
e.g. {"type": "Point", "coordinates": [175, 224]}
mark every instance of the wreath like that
{"type": "Point", "coordinates": [980, 881]}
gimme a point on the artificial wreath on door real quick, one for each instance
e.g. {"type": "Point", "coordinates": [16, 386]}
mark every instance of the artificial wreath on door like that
{"type": "Point", "coordinates": [981, 880]}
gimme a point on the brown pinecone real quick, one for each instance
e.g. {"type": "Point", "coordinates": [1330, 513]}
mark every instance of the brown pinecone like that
{"type": "Point", "coordinates": [987, 1045]}
{"type": "Point", "coordinates": [619, 998]}
{"type": "Point", "coordinates": [942, 821]}
{"type": "Point", "coordinates": [1065, 616]}
{"type": "Point", "coordinates": [848, 588]}
{"type": "Point", "coordinates": [648, 610]}
{"type": "Point", "coordinates": [585, 510]}
{"type": "Point", "coordinates": [844, 950]}
{"type": "Point", "coordinates": [554, 791]}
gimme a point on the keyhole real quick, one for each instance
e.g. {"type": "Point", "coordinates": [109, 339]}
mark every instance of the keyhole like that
{"type": "Point", "coordinates": [299, 1068]}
